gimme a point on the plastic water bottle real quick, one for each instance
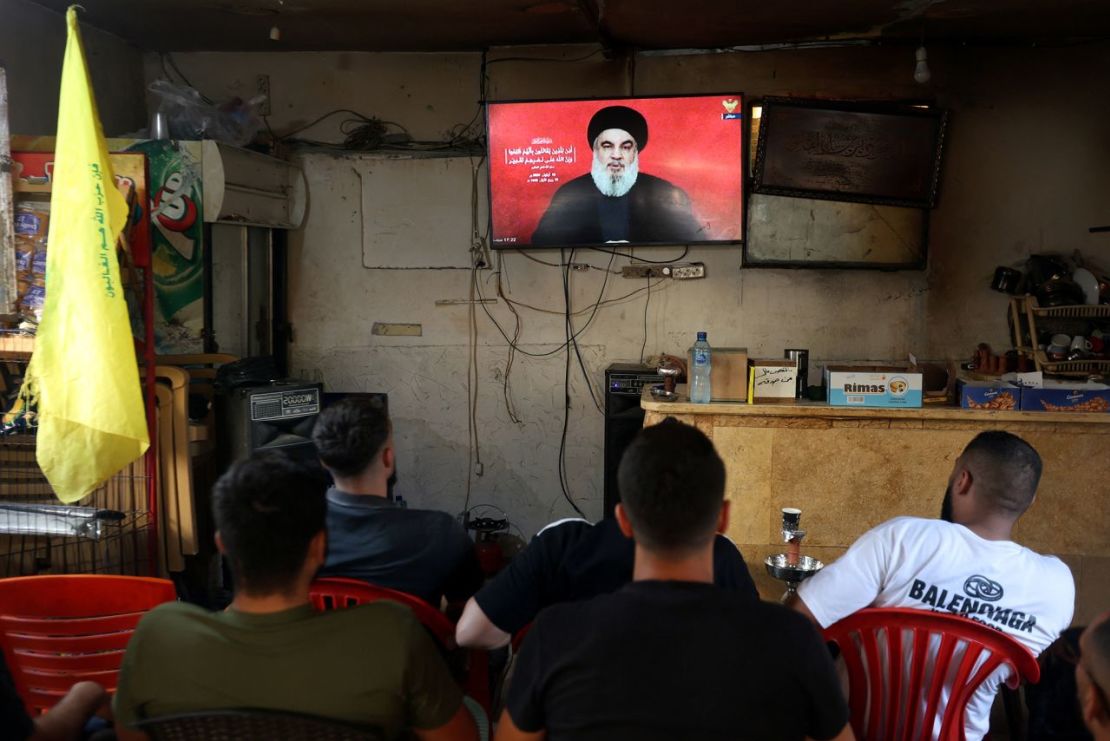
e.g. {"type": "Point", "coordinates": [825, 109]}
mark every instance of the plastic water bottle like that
{"type": "Point", "coordinates": [699, 375]}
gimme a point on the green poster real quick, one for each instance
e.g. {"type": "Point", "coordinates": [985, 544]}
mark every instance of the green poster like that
{"type": "Point", "coordinates": [177, 242]}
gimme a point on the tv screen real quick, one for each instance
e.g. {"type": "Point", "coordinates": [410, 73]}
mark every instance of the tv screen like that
{"type": "Point", "coordinates": [636, 171]}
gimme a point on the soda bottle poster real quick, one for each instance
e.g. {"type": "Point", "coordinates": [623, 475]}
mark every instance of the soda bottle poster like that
{"type": "Point", "coordinates": [177, 243]}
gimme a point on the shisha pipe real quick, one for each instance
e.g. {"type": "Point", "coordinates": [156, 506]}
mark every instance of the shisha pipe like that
{"type": "Point", "coordinates": [792, 567]}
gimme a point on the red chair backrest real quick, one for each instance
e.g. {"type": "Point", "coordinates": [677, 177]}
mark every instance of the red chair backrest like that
{"type": "Point", "coordinates": [331, 593]}
{"type": "Point", "coordinates": [335, 592]}
{"type": "Point", "coordinates": [874, 642]}
{"type": "Point", "coordinates": [58, 630]}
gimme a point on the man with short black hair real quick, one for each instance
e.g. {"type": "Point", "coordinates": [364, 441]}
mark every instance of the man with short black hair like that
{"type": "Point", "coordinates": [371, 665]}
{"type": "Point", "coordinates": [1092, 677]}
{"type": "Point", "coordinates": [567, 561]}
{"type": "Point", "coordinates": [964, 563]}
{"type": "Point", "coordinates": [615, 201]}
{"type": "Point", "coordinates": [422, 552]}
{"type": "Point", "coordinates": [670, 655]}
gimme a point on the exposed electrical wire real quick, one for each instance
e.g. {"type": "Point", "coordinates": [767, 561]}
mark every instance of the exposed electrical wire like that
{"type": "Point", "coordinates": [588, 309]}
{"type": "Point", "coordinates": [557, 60]}
{"type": "Point", "coordinates": [474, 452]}
{"type": "Point", "coordinates": [570, 323]}
{"type": "Point", "coordinates": [167, 57]}
{"type": "Point", "coordinates": [505, 389]}
{"type": "Point", "coordinates": [685, 252]}
{"type": "Point", "coordinates": [478, 259]}
{"type": "Point", "coordinates": [592, 310]}
{"type": "Point", "coordinates": [561, 464]}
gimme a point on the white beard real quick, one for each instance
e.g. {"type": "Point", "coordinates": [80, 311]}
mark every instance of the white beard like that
{"type": "Point", "coordinates": [614, 185]}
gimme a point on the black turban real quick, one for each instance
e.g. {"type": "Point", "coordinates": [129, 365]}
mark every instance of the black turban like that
{"type": "Point", "coordinates": [619, 117]}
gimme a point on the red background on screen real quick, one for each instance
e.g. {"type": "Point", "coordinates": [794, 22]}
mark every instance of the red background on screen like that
{"type": "Point", "coordinates": [689, 144]}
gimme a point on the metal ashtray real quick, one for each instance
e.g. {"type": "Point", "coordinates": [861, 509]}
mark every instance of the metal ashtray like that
{"type": "Point", "coordinates": [660, 393]}
{"type": "Point", "coordinates": [806, 567]}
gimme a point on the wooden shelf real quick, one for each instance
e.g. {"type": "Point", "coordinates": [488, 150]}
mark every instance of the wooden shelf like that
{"type": "Point", "coordinates": [1085, 367]}
{"type": "Point", "coordinates": [1034, 313]}
{"type": "Point", "coordinates": [16, 346]}
{"type": "Point", "coordinates": [1083, 311]}
{"type": "Point", "coordinates": [22, 186]}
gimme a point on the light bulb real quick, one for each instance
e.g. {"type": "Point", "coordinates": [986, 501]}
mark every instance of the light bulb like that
{"type": "Point", "coordinates": [921, 71]}
{"type": "Point", "coordinates": [275, 34]}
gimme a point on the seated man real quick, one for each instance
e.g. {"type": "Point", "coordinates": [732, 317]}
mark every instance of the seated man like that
{"type": "Point", "coordinates": [372, 665]}
{"type": "Point", "coordinates": [422, 552]}
{"type": "Point", "coordinates": [566, 561]}
{"type": "Point", "coordinates": [966, 565]}
{"type": "Point", "coordinates": [1092, 677]}
{"type": "Point", "coordinates": [63, 722]}
{"type": "Point", "coordinates": [670, 655]}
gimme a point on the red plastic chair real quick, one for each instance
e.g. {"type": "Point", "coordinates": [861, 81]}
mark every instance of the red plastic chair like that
{"type": "Point", "coordinates": [335, 592]}
{"type": "Point", "coordinates": [59, 630]}
{"type": "Point", "coordinates": [331, 593]}
{"type": "Point", "coordinates": [519, 636]}
{"type": "Point", "coordinates": [885, 710]}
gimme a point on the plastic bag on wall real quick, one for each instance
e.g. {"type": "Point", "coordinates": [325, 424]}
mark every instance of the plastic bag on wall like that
{"type": "Point", "coordinates": [189, 116]}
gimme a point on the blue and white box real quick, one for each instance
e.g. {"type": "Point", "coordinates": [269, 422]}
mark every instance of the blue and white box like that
{"type": "Point", "coordinates": [851, 386]}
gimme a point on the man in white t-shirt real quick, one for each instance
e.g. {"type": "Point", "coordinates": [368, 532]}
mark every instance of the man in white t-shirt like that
{"type": "Point", "coordinates": [966, 565]}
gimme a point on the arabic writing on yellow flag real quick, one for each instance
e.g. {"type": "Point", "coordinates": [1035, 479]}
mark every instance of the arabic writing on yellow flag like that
{"type": "Point", "coordinates": [83, 374]}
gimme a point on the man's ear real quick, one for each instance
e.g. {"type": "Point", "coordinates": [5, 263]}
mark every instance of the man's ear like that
{"type": "Point", "coordinates": [388, 457]}
{"type": "Point", "coordinates": [1089, 705]}
{"type": "Point", "coordinates": [318, 547]}
{"type": "Point", "coordinates": [722, 519]}
{"type": "Point", "coordinates": [623, 522]}
{"type": "Point", "coordinates": [963, 482]}
{"type": "Point", "coordinates": [220, 544]}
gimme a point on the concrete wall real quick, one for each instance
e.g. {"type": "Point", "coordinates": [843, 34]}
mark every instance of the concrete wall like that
{"type": "Point", "coordinates": [1027, 167]}
{"type": "Point", "coordinates": [32, 45]}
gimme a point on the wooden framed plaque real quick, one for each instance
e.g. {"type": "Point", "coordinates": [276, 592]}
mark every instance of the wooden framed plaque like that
{"type": "Point", "coordinates": [837, 150]}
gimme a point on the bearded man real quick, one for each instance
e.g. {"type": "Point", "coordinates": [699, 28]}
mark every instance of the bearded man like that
{"type": "Point", "coordinates": [616, 202]}
{"type": "Point", "coordinates": [966, 563]}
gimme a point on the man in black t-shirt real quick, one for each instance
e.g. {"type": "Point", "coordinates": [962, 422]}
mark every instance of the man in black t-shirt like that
{"type": "Point", "coordinates": [571, 560]}
{"type": "Point", "coordinates": [671, 656]}
{"type": "Point", "coordinates": [421, 552]}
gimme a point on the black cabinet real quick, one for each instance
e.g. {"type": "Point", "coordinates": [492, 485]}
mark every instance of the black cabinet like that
{"type": "Point", "coordinates": [624, 383]}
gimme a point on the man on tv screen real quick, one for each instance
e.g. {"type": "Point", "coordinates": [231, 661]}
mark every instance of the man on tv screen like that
{"type": "Point", "coordinates": [616, 202]}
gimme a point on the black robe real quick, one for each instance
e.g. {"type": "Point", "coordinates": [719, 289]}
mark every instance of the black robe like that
{"type": "Point", "coordinates": [653, 211]}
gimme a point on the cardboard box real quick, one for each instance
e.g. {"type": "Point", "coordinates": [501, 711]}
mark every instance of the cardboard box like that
{"type": "Point", "coordinates": [1066, 396]}
{"type": "Point", "coordinates": [728, 377]}
{"type": "Point", "coordinates": [873, 386]}
{"type": "Point", "coordinates": [989, 395]}
{"type": "Point", "coordinates": [774, 381]}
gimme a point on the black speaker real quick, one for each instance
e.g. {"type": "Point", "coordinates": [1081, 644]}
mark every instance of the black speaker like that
{"type": "Point", "coordinates": [275, 416]}
{"type": "Point", "coordinates": [624, 382]}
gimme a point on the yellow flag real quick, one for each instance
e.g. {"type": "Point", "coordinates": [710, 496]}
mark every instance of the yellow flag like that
{"type": "Point", "coordinates": [83, 374]}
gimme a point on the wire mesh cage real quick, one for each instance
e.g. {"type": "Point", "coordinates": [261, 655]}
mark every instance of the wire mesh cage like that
{"type": "Point", "coordinates": [107, 532]}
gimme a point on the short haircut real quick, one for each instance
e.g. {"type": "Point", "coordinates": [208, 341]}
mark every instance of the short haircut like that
{"type": "Point", "coordinates": [1007, 470]}
{"type": "Point", "coordinates": [1095, 646]}
{"type": "Point", "coordinates": [672, 484]}
{"type": "Point", "coordinates": [349, 433]}
{"type": "Point", "coordinates": [267, 510]}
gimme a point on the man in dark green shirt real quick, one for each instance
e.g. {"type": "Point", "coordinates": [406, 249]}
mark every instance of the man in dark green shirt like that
{"type": "Point", "coordinates": [372, 665]}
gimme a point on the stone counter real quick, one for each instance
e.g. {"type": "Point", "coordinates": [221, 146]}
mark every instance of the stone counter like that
{"type": "Point", "coordinates": [848, 469]}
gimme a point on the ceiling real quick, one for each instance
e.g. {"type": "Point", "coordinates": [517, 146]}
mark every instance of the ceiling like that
{"type": "Point", "coordinates": [461, 25]}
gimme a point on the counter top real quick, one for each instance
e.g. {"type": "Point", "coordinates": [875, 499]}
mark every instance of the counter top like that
{"type": "Point", "coordinates": [850, 468]}
{"type": "Point", "coordinates": [822, 410]}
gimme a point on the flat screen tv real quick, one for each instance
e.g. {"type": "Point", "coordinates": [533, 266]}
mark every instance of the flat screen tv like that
{"type": "Point", "coordinates": [635, 171]}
